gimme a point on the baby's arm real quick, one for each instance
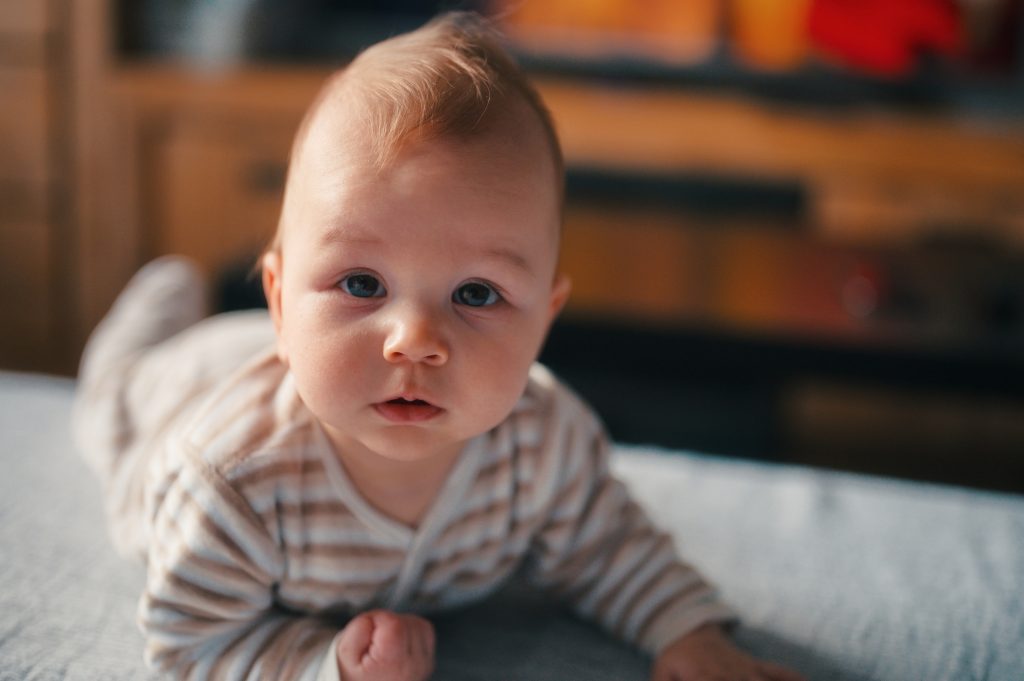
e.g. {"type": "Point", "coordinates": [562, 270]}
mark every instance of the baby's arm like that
{"type": "Point", "coordinates": [208, 609]}
{"type": "Point", "coordinates": [602, 553]}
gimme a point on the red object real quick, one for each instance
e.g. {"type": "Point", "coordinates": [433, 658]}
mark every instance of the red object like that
{"type": "Point", "coordinates": [884, 37]}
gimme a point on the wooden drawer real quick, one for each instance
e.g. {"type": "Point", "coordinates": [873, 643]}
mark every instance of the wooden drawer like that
{"type": "Point", "coordinates": [24, 124]}
{"type": "Point", "coordinates": [218, 191]}
{"type": "Point", "coordinates": [25, 17]}
{"type": "Point", "coordinates": [897, 211]}
{"type": "Point", "coordinates": [967, 440]}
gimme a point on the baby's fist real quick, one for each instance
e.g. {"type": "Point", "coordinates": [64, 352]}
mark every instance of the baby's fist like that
{"type": "Point", "coordinates": [384, 646]}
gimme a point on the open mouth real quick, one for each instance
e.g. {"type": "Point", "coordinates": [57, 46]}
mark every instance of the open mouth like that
{"type": "Point", "coordinates": [401, 400]}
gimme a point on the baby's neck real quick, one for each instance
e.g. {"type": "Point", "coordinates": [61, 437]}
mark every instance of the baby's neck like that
{"type": "Point", "coordinates": [402, 490]}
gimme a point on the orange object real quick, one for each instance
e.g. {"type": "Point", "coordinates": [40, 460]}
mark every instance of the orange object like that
{"type": "Point", "coordinates": [678, 31]}
{"type": "Point", "coordinates": [666, 29]}
{"type": "Point", "coordinates": [770, 34]}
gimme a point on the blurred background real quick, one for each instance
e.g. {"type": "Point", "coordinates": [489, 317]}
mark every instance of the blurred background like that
{"type": "Point", "coordinates": [795, 227]}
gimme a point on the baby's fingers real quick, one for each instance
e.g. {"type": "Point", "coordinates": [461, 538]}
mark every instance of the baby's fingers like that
{"type": "Point", "coordinates": [425, 638]}
{"type": "Point", "coordinates": [355, 640]}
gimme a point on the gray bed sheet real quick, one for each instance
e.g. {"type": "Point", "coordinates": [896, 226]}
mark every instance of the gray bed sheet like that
{"type": "Point", "coordinates": [839, 576]}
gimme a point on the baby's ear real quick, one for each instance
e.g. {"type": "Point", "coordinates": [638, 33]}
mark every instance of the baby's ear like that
{"type": "Point", "coordinates": [272, 290]}
{"type": "Point", "coordinates": [560, 290]}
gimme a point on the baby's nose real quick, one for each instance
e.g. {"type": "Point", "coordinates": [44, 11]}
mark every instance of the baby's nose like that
{"type": "Point", "coordinates": [414, 336]}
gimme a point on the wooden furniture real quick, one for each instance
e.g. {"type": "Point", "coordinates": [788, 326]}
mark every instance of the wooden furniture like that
{"type": "Point", "coordinates": [117, 160]}
{"type": "Point", "coordinates": [33, 185]}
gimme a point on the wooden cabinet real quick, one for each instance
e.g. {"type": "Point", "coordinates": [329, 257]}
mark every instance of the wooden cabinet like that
{"type": "Point", "coordinates": [32, 186]}
{"type": "Point", "coordinates": [107, 162]}
{"type": "Point", "coordinates": [219, 190]}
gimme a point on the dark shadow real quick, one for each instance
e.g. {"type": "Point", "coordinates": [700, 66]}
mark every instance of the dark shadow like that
{"type": "Point", "coordinates": [521, 634]}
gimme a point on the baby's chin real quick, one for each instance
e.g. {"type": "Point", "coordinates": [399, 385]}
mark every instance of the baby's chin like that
{"type": "Point", "coordinates": [405, 444]}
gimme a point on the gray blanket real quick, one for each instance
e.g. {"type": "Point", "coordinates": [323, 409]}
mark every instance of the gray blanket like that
{"type": "Point", "coordinates": [838, 576]}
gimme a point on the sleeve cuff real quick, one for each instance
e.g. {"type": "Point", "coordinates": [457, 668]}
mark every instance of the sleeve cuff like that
{"type": "Point", "coordinates": [329, 664]}
{"type": "Point", "coordinates": [679, 621]}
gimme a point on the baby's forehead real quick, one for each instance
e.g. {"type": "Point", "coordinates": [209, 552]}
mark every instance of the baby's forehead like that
{"type": "Point", "coordinates": [458, 192]}
{"type": "Point", "coordinates": [345, 127]}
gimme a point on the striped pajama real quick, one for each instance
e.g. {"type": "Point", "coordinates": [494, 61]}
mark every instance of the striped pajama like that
{"type": "Point", "coordinates": [258, 546]}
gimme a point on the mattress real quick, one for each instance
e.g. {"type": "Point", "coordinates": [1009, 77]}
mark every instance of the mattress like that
{"type": "Point", "coordinates": [839, 576]}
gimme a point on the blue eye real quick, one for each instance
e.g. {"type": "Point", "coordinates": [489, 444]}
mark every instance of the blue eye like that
{"type": "Point", "coordinates": [475, 294]}
{"type": "Point", "coordinates": [362, 286]}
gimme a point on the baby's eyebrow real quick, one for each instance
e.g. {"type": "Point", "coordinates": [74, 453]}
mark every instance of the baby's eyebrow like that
{"type": "Point", "coordinates": [343, 236]}
{"type": "Point", "coordinates": [511, 257]}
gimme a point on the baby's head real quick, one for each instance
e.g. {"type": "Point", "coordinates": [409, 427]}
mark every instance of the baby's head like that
{"type": "Point", "coordinates": [413, 276]}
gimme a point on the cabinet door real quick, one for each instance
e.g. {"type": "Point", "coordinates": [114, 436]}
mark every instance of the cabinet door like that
{"type": "Point", "coordinates": [218, 191]}
{"type": "Point", "coordinates": [26, 240]}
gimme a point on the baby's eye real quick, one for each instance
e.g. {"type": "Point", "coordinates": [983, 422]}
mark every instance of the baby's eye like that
{"type": "Point", "coordinates": [362, 286]}
{"type": "Point", "coordinates": [475, 294]}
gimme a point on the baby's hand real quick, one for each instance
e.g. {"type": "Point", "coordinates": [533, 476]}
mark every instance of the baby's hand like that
{"type": "Point", "coordinates": [384, 646]}
{"type": "Point", "coordinates": [707, 653]}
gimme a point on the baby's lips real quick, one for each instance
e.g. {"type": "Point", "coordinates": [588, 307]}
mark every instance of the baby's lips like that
{"type": "Point", "coordinates": [407, 412]}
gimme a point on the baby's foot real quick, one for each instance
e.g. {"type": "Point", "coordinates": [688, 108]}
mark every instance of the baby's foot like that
{"type": "Point", "coordinates": [166, 296]}
{"type": "Point", "coordinates": [384, 646]}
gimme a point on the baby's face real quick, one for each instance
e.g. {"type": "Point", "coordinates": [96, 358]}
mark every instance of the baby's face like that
{"type": "Point", "coordinates": [411, 302]}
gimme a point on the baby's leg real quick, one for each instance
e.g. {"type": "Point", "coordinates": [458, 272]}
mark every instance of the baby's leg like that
{"type": "Point", "coordinates": [163, 298]}
{"type": "Point", "coordinates": [143, 370]}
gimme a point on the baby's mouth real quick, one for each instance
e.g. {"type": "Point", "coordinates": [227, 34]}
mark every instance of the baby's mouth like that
{"type": "Point", "coordinates": [401, 410]}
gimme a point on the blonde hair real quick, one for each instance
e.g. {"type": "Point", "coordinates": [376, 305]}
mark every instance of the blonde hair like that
{"type": "Point", "coordinates": [449, 78]}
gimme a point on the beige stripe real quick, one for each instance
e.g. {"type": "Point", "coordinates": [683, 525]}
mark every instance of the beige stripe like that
{"type": "Point", "coordinates": [335, 586]}
{"type": "Point", "coordinates": [160, 496]}
{"type": "Point", "coordinates": [505, 540]}
{"type": "Point", "coordinates": [236, 558]}
{"type": "Point", "coordinates": [228, 656]}
{"type": "Point", "coordinates": [182, 588]}
{"type": "Point", "coordinates": [153, 604]}
{"type": "Point", "coordinates": [561, 578]}
{"type": "Point", "coordinates": [641, 598]}
{"type": "Point", "coordinates": [470, 524]}
{"type": "Point", "coordinates": [219, 425]}
{"type": "Point", "coordinates": [310, 647]}
{"type": "Point", "coordinates": [473, 579]}
{"type": "Point", "coordinates": [281, 471]}
{"type": "Point", "coordinates": [280, 646]}
{"type": "Point", "coordinates": [577, 523]}
{"type": "Point", "coordinates": [485, 477]}
{"type": "Point", "coordinates": [327, 510]}
{"type": "Point", "coordinates": [614, 590]}
{"type": "Point", "coordinates": [672, 571]}
{"type": "Point", "coordinates": [361, 552]}
{"type": "Point", "coordinates": [189, 668]}
{"type": "Point", "coordinates": [210, 530]}
{"type": "Point", "coordinates": [232, 498]}
{"type": "Point", "coordinates": [568, 494]}
{"type": "Point", "coordinates": [226, 572]}
{"type": "Point", "coordinates": [318, 597]}
{"type": "Point", "coordinates": [682, 595]}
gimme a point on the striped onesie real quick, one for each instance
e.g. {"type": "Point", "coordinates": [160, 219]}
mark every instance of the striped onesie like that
{"type": "Point", "coordinates": [258, 546]}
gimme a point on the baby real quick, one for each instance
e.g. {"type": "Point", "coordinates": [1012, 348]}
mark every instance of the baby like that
{"type": "Point", "coordinates": [304, 492]}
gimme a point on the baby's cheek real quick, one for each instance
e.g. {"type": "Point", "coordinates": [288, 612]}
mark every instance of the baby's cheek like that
{"type": "Point", "coordinates": [500, 382]}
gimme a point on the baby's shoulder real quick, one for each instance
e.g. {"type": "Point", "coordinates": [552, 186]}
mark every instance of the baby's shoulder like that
{"type": "Point", "coordinates": [549, 404]}
{"type": "Point", "coordinates": [255, 413]}
{"type": "Point", "coordinates": [550, 421]}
